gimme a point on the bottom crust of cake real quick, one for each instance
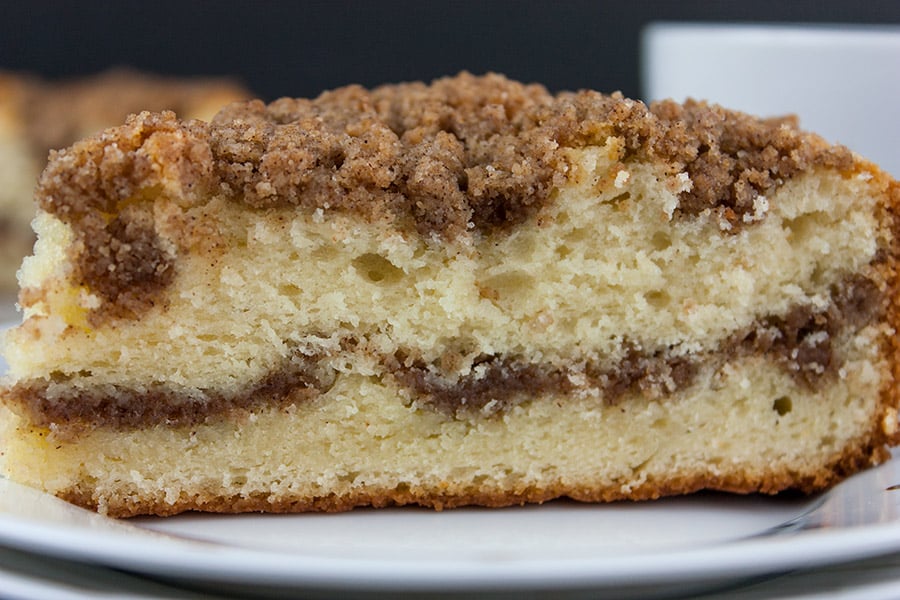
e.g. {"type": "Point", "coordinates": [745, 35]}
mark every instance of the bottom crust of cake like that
{"type": "Point", "coordinates": [748, 427]}
{"type": "Point", "coordinates": [859, 456]}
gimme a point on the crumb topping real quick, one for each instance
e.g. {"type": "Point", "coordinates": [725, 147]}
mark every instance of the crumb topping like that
{"type": "Point", "coordinates": [463, 154]}
{"type": "Point", "coordinates": [467, 149]}
{"type": "Point", "coordinates": [94, 187]}
{"type": "Point", "coordinates": [734, 159]}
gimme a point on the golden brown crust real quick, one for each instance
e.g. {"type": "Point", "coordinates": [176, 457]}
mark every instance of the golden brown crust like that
{"type": "Point", "coordinates": [890, 272]}
{"type": "Point", "coordinates": [856, 456]}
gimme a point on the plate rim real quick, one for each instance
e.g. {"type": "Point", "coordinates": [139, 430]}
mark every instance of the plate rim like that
{"type": "Point", "coordinates": [172, 556]}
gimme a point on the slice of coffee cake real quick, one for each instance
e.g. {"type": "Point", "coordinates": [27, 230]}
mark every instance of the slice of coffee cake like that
{"type": "Point", "coordinates": [37, 116]}
{"type": "Point", "coordinates": [469, 292]}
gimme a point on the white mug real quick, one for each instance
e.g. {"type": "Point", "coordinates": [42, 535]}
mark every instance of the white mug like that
{"type": "Point", "coordinates": [843, 82]}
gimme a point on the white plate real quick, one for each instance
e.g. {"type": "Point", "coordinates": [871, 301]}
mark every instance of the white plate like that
{"type": "Point", "coordinates": [644, 548]}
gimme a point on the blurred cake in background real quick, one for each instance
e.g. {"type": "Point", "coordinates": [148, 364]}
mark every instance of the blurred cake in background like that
{"type": "Point", "coordinates": [37, 116]}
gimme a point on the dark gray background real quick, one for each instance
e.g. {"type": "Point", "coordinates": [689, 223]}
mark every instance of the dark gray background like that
{"type": "Point", "coordinates": [302, 48]}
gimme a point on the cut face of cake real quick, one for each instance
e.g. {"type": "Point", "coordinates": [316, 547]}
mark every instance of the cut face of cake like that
{"type": "Point", "coordinates": [38, 116]}
{"type": "Point", "coordinates": [468, 292]}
